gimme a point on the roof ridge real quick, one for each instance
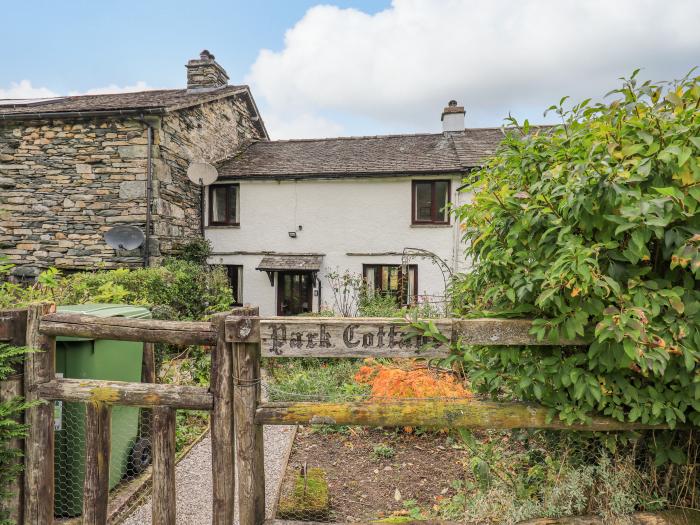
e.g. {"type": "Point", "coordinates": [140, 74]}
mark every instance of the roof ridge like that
{"type": "Point", "coordinates": [393, 135]}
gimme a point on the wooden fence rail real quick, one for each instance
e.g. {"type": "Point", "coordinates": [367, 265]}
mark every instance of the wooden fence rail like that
{"type": "Point", "coordinates": [238, 341]}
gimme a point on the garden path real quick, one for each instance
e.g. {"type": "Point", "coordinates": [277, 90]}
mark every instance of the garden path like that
{"type": "Point", "coordinates": [194, 484]}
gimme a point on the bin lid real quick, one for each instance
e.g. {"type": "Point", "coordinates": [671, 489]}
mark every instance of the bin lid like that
{"type": "Point", "coordinates": [107, 310]}
{"type": "Point", "coordinates": [103, 310]}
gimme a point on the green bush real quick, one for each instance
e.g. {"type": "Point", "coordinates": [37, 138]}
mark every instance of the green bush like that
{"type": "Point", "coordinates": [592, 227]}
{"type": "Point", "coordinates": [179, 289]}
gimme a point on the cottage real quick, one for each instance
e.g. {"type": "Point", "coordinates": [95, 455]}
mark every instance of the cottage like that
{"type": "Point", "coordinates": [281, 217]}
{"type": "Point", "coordinates": [284, 214]}
{"type": "Point", "coordinates": [73, 167]}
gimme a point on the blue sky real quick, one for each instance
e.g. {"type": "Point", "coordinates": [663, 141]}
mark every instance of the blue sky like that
{"type": "Point", "coordinates": [353, 67]}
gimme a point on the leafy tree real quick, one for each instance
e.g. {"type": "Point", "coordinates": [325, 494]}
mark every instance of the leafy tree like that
{"type": "Point", "coordinates": [592, 227]}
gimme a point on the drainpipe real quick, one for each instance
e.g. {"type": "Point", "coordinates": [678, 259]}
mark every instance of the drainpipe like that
{"type": "Point", "coordinates": [149, 192]}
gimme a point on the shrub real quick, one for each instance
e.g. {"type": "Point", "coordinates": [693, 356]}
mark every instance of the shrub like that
{"type": "Point", "coordinates": [594, 223]}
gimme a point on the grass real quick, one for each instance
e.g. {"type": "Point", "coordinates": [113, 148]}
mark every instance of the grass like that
{"type": "Point", "coordinates": [314, 379]}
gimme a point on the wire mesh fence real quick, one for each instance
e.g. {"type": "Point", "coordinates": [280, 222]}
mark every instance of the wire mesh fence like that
{"type": "Point", "coordinates": [130, 457]}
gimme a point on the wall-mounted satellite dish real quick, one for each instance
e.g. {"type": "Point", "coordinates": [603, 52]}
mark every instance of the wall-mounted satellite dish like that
{"type": "Point", "coordinates": [124, 237]}
{"type": "Point", "coordinates": [202, 173]}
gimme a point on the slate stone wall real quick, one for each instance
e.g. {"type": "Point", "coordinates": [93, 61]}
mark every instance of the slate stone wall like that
{"type": "Point", "coordinates": [63, 183]}
{"type": "Point", "coordinates": [209, 133]}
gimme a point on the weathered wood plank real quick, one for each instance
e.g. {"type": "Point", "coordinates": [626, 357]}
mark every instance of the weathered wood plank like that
{"type": "Point", "coordinates": [344, 337]}
{"type": "Point", "coordinates": [440, 413]}
{"type": "Point", "coordinates": [502, 332]}
{"type": "Point", "coordinates": [374, 337]}
{"type": "Point", "coordinates": [13, 330]}
{"type": "Point", "coordinates": [249, 435]}
{"type": "Point", "coordinates": [222, 446]}
{"type": "Point", "coordinates": [12, 505]}
{"type": "Point", "coordinates": [130, 394]}
{"type": "Point", "coordinates": [13, 326]}
{"type": "Point", "coordinates": [123, 329]}
{"type": "Point", "coordinates": [163, 510]}
{"type": "Point", "coordinates": [39, 444]}
{"type": "Point", "coordinates": [97, 449]}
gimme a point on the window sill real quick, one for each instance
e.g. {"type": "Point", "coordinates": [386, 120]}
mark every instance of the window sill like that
{"type": "Point", "coordinates": [223, 227]}
{"type": "Point", "coordinates": [431, 226]}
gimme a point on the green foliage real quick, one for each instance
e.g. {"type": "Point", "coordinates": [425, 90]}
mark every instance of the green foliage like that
{"type": "Point", "coordinates": [179, 289]}
{"type": "Point", "coordinates": [382, 451]}
{"type": "Point", "coordinates": [196, 251]}
{"type": "Point", "coordinates": [314, 378]}
{"type": "Point", "coordinates": [519, 475]}
{"type": "Point", "coordinates": [593, 228]}
{"type": "Point", "coordinates": [373, 304]}
{"type": "Point", "coordinates": [10, 411]}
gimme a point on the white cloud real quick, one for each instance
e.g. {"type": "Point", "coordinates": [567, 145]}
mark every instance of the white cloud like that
{"type": "Point", "coordinates": [24, 89]}
{"type": "Point", "coordinates": [305, 125]}
{"type": "Point", "coordinates": [113, 88]}
{"type": "Point", "coordinates": [401, 65]}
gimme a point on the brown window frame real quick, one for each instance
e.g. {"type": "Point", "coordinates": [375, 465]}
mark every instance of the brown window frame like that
{"type": "Point", "coordinates": [433, 204]}
{"type": "Point", "coordinates": [378, 269]}
{"type": "Point", "coordinates": [229, 221]}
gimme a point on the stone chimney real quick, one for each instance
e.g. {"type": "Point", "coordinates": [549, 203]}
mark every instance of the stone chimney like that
{"type": "Point", "coordinates": [205, 73]}
{"type": "Point", "coordinates": [452, 117]}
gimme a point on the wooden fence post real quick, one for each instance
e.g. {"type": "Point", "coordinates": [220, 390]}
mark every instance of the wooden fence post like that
{"type": "Point", "coordinates": [39, 444]}
{"type": "Point", "coordinates": [249, 436]}
{"type": "Point", "coordinates": [222, 451]}
{"type": "Point", "coordinates": [98, 422]}
{"type": "Point", "coordinates": [13, 331]}
{"type": "Point", "coordinates": [163, 509]}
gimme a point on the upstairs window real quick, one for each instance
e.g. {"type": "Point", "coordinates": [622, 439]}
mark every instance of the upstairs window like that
{"type": "Point", "coordinates": [224, 205]}
{"type": "Point", "coordinates": [430, 198]}
{"type": "Point", "coordinates": [393, 279]}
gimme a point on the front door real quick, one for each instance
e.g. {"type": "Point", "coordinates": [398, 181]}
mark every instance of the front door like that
{"type": "Point", "coordinates": [294, 293]}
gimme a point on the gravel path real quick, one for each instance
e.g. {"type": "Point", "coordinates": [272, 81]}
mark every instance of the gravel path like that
{"type": "Point", "coordinates": [194, 485]}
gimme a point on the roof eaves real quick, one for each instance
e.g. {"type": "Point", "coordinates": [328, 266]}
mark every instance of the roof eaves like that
{"type": "Point", "coordinates": [41, 115]}
{"type": "Point", "coordinates": [348, 174]}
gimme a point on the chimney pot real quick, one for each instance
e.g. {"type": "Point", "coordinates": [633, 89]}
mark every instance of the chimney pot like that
{"type": "Point", "coordinates": [205, 73]}
{"type": "Point", "coordinates": [452, 117]}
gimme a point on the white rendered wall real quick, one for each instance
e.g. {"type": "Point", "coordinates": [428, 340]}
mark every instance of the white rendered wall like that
{"type": "Point", "coordinates": [337, 217]}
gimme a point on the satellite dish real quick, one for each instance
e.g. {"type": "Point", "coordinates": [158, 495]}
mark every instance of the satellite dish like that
{"type": "Point", "coordinates": [124, 237]}
{"type": "Point", "coordinates": [202, 173]}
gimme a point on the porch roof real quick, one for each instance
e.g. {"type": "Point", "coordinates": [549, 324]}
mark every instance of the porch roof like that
{"type": "Point", "coordinates": [290, 262]}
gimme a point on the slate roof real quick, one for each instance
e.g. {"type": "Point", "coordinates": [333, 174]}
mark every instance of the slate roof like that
{"type": "Point", "coordinates": [166, 99]}
{"type": "Point", "coordinates": [363, 156]}
{"type": "Point", "coordinates": [298, 262]}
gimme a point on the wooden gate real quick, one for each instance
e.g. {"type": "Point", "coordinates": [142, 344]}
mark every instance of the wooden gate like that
{"type": "Point", "coordinates": [238, 340]}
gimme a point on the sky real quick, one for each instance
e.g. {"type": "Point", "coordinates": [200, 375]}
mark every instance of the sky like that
{"type": "Point", "coordinates": [348, 67]}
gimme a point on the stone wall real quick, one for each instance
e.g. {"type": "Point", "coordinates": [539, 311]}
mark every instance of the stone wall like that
{"type": "Point", "coordinates": [207, 133]}
{"type": "Point", "coordinates": [63, 183]}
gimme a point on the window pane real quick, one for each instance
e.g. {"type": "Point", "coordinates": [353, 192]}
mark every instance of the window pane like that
{"type": "Point", "coordinates": [233, 204]}
{"type": "Point", "coordinates": [441, 200]}
{"type": "Point", "coordinates": [218, 204]}
{"type": "Point", "coordinates": [423, 201]}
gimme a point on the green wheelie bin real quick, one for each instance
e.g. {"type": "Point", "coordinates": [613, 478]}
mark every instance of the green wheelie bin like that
{"type": "Point", "coordinates": [83, 358]}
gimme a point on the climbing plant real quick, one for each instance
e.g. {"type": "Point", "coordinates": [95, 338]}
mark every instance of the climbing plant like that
{"type": "Point", "coordinates": [592, 227]}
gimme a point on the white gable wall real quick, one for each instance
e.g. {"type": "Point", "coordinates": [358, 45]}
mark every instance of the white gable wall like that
{"type": "Point", "coordinates": [337, 218]}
